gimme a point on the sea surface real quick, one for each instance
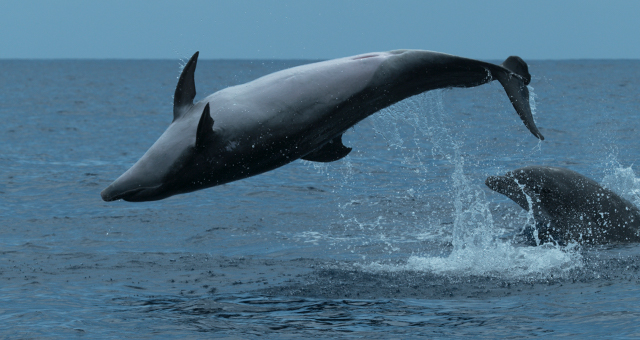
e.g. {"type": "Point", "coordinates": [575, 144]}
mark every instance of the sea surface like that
{"type": "Point", "coordinates": [401, 239]}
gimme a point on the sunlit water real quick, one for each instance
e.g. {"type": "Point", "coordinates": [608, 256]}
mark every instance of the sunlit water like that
{"type": "Point", "coordinates": [401, 239]}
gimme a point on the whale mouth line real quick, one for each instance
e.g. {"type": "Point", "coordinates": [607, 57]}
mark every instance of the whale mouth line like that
{"type": "Point", "coordinates": [127, 195]}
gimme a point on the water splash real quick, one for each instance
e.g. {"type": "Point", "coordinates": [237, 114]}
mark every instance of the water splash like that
{"type": "Point", "coordinates": [624, 182]}
{"type": "Point", "coordinates": [477, 246]}
{"type": "Point", "coordinates": [534, 110]}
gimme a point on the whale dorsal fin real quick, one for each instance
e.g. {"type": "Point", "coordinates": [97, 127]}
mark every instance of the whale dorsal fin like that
{"type": "Point", "coordinates": [205, 129]}
{"type": "Point", "coordinates": [332, 151]}
{"type": "Point", "coordinates": [186, 88]}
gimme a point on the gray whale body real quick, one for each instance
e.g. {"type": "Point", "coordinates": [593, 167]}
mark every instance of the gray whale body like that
{"type": "Point", "coordinates": [568, 206]}
{"type": "Point", "coordinates": [301, 112]}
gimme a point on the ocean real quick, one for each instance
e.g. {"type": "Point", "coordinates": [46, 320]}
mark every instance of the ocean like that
{"type": "Point", "coordinates": [401, 239]}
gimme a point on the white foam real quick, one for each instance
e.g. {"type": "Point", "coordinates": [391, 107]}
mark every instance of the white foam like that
{"type": "Point", "coordinates": [502, 260]}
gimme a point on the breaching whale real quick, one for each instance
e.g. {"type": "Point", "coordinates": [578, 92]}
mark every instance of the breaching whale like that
{"type": "Point", "coordinates": [568, 206]}
{"type": "Point", "coordinates": [300, 112]}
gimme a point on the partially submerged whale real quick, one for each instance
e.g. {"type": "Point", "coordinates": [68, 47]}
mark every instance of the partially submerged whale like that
{"type": "Point", "coordinates": [300, 112]}
{"type": "Point", "coordinates": [568, 206]}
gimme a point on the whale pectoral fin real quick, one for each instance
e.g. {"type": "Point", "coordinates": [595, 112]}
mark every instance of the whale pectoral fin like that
{"type": "Point", "coordinates": [205, 129]}
{"type": "Point", "coordinates": [186, 88]}
{"type": "Point", "coordinates": [332, 151]}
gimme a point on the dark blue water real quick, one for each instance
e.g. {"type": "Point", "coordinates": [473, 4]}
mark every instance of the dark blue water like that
{"type": "Point", "coordinates": [401, 239]}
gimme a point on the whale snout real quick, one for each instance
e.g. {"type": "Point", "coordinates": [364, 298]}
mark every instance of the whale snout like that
{"type": "Point", "coordinates": [131, 189]}
{"type": "Point", "coordinates": [134, 195]}
{"type": "Point", "coordinates": [494, 182]}
{"type": "Point", "coordinates": [110, 194]}
{"type": "Point", "coordinates": [506, 185]}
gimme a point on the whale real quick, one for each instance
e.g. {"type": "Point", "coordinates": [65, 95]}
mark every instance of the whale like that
{"type": "Point", "coordinates": [569, 207]}
{"type": "Point", "coordinates": [296, 113]}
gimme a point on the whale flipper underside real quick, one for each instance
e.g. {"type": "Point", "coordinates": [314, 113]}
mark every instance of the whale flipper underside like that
{"type": "Point", "coordinates": [330, 152]}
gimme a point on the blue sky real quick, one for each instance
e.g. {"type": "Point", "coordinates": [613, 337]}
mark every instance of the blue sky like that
{"type": "Point", "coordinates": [318, 29]}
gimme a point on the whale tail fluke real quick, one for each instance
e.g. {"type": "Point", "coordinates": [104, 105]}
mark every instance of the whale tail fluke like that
{"type": "Point", "coordinates": [518, 66]}
{"type": "Point", "coordinates": [514, 78]}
